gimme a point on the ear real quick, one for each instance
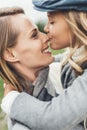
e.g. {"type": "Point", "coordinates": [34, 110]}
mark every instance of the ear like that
{"type": "Point", "coordinates": [10, 55]}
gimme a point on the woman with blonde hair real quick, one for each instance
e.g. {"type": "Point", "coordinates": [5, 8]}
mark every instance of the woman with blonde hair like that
{"type": "Point", "coordinates": [66, 27]}
{"type": "Point", "coordinates": [24, 57]}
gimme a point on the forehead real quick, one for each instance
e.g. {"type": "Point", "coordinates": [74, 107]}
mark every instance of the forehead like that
{"type": "Point", "coordinates": [21, 23]}
{"type": "Point", "coordinates": [51, 14]}
{"type": "Point", "coordinates": [54, 14]}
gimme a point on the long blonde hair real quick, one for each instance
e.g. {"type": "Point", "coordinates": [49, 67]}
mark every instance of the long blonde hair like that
{"type": "Point", "coordinates": [77, 22]}
{"type": "Point", "coordinates": [8, 38]}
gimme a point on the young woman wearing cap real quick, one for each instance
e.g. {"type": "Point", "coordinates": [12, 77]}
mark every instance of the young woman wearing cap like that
{"type": "Point", "coordinates": [66, 28]}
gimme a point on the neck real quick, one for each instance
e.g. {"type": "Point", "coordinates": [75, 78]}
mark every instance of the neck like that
{"type": "Point", "coordinates": [29, 74]}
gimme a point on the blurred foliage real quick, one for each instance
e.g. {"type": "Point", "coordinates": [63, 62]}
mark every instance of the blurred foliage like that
{"type": "Point", "coordinates": [40, 25]}
{"type": "Point", "coordinates": [55, 52]}
{"type": "Point", "coordinates": [1, 91]}
{"type": "Point", "coordinates": [3, 125]}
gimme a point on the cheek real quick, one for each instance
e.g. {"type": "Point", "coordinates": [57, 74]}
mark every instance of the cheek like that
{"type": "Point", "coordinates": [62, 34]}
{"type": "Point", "coordinates": [60, 40]}
{"type": "Point", "coordinates": [52, 30]}
{"type": "Point", "coordinates": [56, 32]}
{"type": "Point", "coordinates": [29, 59]}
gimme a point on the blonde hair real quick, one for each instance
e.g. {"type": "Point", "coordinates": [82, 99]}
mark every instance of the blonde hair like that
{"type": "Point", "coordinates": [77, 22]}
{"type": "Point", "coordinates": [8, 38]}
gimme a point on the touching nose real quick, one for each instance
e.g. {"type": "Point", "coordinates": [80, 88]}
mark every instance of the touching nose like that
{"type": "Point", "coordinates": [46, 39]}
{"type": "Point", "coordinates": [46, 29]}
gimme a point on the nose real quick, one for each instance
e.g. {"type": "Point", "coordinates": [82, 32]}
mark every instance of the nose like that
{"type": "Point", "coordinates": [45, 38]}
{"type": "Point", "coordinates": [46, 29]}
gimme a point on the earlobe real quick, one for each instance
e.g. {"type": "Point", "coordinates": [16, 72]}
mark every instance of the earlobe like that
{"type": "Point", "coordinates": [10, 55]}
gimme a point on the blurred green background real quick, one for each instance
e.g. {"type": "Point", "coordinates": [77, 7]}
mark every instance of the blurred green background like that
{"type": "Point", "coordinates": [3, 117]}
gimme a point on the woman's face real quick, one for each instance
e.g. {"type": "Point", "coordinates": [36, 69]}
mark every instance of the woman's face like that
{"type": "Point", "coordinates": [31, 48]}
{"type": "Point", "coordinates": [58, 30]}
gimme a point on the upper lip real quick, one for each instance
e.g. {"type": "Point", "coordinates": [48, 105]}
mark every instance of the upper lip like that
{"type": "Point", "coordinates": [45, 48]}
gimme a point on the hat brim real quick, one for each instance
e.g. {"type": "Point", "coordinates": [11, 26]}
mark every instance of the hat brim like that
{"type": "Point", "coordinates": [69, 8]}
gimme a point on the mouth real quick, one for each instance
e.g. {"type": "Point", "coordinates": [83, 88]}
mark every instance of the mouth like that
{"type": "Point", "coordinates": [46, 50]}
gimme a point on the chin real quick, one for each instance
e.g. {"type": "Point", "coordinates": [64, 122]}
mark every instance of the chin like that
{"type": "Point", "coordinates": [53, 46]}
{"type": "Point", "coordinates": [50, 61]}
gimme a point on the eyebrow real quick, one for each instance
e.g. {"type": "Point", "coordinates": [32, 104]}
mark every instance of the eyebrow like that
{"type": "Point", "coordinates": [50, 14]}
{"type": "Point", "coordinates": [32, 31]}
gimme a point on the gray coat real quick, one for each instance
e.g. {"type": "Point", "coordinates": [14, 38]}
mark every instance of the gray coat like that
{"type": "Point", "coordinates": [65, 111]}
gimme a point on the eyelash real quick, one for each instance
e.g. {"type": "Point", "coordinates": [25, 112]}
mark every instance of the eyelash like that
{"type": "Point", "coordinates": [51, 22]}
{"type": "Point", "coordinates": [35, 35]}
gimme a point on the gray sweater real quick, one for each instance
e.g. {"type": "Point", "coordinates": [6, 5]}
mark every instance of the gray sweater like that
{"type": "Point", "coordinates": [63, 111]}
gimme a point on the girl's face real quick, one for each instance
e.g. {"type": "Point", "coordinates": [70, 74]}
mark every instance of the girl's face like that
{"type": "Point", "coordinates": [31, 48]}
{"type": "Point", "coordinates": [58, 30]}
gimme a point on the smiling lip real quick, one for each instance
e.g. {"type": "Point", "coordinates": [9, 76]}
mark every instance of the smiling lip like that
{"type": "Point", "coordinates": [46, 50]}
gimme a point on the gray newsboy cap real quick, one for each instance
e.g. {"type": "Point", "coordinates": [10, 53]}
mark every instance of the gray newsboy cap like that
{"type": "Point", "coordinates": [54, 5]}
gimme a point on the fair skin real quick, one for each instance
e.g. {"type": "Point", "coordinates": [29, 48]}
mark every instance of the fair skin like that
{"type": "Point", "coordinates": [66, 94]}
{"type": "Point", "coordinates": [58, 31]}
{"type": "Point", "coordinates": [30, 54]}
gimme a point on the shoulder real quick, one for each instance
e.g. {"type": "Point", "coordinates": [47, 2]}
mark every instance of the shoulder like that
{"type": "Point", "coordinates": [81, 82]}
{"type": "Point", "coordinates": [19, 126]}
{"type": "Point", "coordinates": [83, 76]}
{"type": "Point", "coordinates": [68, 76]}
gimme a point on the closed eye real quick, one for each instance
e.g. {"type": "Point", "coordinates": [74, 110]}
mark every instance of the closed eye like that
{"type": "Point", "coordinates": [51, 22]}
{"type": "Point", "coordinates": [34, 33]}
